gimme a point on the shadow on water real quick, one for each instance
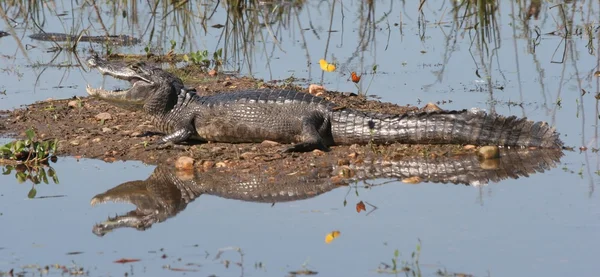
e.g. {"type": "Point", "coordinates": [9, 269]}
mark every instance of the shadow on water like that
{"type": "Point", "coordinates": [167, 192]}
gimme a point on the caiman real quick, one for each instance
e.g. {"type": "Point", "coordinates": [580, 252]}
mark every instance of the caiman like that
{"type": "Point", "coordinates": [310, 122]}
{"type": "Point", "coordinates": [167, 192]}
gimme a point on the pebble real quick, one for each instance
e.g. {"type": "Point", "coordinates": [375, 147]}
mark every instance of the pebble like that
{"type": "Point", "coordinates": [248, 155]}
{"type": "Point", "coordinates": [269, 143]}
{"type": "Point", "coordinates": [318, 152]}
{"type": "Point", "coordinates": [469, 147]}
{"type": "Point", "coordinates": [73, 103]}
{"type": "Point", "coordinates": [221, 164]}
{"type": "Point", "coordinates": [430, 107]}
{"type": "Point", "coordinates": [184, 163]}
{"type": "Point", "coordinates": [106, 130]}
{"type": "Point", "coordinates": [208, 165]}
{"type": "Point", "coordinates": [103, 116]}
{"type": "Point", "coordinates": [96, 140]}
{"type": "Point", "coordinates": [74, 142]}
{"type": "Point", "coordinates": [316, 90]}
{"type": "Point", "coordinates": [412, 180]}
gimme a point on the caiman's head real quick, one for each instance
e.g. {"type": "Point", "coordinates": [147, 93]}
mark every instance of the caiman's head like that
{"type": "Point", "coordinates": [150, 86]}
{"type": "Point", "coordinates": [155, 202]}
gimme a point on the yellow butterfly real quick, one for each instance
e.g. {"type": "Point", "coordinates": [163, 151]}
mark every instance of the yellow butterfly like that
{"type": "Point", "coordinates": [331, 236]}
{"type": "Point", "coordinates": [328, 67]}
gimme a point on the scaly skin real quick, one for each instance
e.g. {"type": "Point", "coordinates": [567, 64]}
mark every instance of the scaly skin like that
{"type": "Point", "coordinates": [167, 192]}
{"type": "Point", "coordinates": [308, 121]}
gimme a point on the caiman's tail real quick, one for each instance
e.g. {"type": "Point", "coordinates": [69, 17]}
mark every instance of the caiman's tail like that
{"type": "Point", "coordinates": [442, 127]}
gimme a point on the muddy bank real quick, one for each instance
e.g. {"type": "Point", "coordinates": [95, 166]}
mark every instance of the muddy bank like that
{"type": "Point", "coordinates": [92, 128]}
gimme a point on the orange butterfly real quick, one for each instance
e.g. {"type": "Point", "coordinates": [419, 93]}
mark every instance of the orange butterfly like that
{"type": "Point", "coordinates": [355, 78]}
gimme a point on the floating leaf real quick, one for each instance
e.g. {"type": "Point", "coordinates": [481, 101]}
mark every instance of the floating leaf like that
{"type": "Point", "coordinates": [360, 206]}
{"type": "Point", "coordinates": [328, 67]}
{"type": "Point", "coordinates": [124, 261]}
{"type": "Point", "coordinates": [331, 236]}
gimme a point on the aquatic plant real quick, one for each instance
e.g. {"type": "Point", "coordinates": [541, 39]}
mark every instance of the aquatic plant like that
{"type": "Point", "coordinates": [31, 150]}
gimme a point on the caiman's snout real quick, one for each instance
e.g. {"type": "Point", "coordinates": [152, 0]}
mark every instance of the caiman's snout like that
{"type": "Point", "coordinates": [138, 75]}
{"type": "Point", "coordinates": [92, 61]}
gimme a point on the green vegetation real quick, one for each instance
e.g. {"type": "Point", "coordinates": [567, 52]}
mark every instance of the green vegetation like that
{"type": "Point", "coordinates": [408, 267]}
{"type": "Point", "coordinates": [201, 59]}
{"type": "Point", "coordinates": [35, 174]}
{"type": "Point", "coordinates": [29, 151]}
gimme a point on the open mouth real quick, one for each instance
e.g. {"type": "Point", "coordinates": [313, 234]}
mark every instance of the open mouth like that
{"type": "Point", "coordinates": [134, 81]}
{"type": "Point", "coordinates": [117, 71]}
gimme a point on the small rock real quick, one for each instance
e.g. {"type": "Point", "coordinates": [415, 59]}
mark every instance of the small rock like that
{"type": "Point", "coordinates": [73, 103]}
{"type": "Point", "coordinates": [96, 140]}
{"type": "Point", "coordinates": [184, 163]}
{"type": "Point", "coordinates": [469, 147]}
{"type": "Point", "coordinates": [103, 116]}
{"type": "Point", "coordinates": [221, 164]}
{"type": "Point", "coordinates": [316, 90]}
{"type": "Point", "coordinates": [74, 142]}
{"type": "Point", "coordinates": [206, 165]}
{"type": "Point", "coordinates": [248, 155]}
{"type": "Point", "coordinates": [353, 155]}
{"type": "Point", "coordinates": [430, 107]}
{"type": "Point", "coordinates": [106, 130]}
{"type": "Point", "coordinates": [269, 143]}
{"type": "Point", "coordinates": [412, 180]}
{"type": "Point", "coordinates": [318, 152]}
{"type": "Point", "coordinates": [216, 149]}
{"type": "Point", "coordinates": [489, 152]}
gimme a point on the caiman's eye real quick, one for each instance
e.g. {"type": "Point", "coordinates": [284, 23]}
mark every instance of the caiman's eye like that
{"type": "Point", "coordinates": [137, 66]}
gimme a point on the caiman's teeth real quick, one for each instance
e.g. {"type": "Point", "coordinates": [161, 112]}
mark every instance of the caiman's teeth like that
{"type": "Point", "coordinates": [96, 201]}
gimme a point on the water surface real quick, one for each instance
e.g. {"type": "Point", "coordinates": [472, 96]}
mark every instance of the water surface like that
{"type": "Point", "coordinates": [544, 225]}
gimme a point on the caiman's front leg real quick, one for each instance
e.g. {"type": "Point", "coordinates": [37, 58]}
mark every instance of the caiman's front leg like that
{"type": "Point", "coordinates": [178, 124]}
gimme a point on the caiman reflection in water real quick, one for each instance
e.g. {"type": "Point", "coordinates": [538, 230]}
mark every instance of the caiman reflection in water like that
{"type": "Point", "coordinates": [167, 191]}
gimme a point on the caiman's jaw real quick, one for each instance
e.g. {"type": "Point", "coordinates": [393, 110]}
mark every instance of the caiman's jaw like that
{"type": "Point", "coordinates": [136, 74]}
{"type": "Point", "coordinates": [133, 219]}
